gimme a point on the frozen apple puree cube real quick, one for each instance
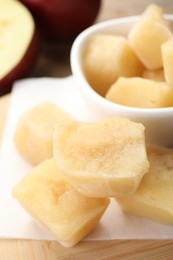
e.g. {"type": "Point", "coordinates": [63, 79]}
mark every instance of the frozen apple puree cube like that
{"type": "Point", "coordinates": [56, 205]}
{"type": "Point", "coordinates": [147, 35]}
{"type": "Point", "coordinates": [33, 135]}
{"type": "Point", "coordinates": [154, 12]}
{"type": "Point", "coordinates": [103, 158]}
{"type": "Point", "coordinates": [153, 199]}
{"type": "Point", "coordinates": [140, 93]}
{"type": "Point", "coordinates": [107, 57]}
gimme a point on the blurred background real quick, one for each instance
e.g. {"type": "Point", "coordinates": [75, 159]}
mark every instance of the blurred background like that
{"type": "Point", "coordinates": [54, 60]}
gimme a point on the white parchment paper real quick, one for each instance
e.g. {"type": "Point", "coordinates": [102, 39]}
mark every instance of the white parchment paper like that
{"type": "Point", "coordinates": [15, 222]}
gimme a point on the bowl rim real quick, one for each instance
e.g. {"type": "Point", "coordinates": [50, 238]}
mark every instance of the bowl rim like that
{"type": "Point", "coordinates": [88, 90]}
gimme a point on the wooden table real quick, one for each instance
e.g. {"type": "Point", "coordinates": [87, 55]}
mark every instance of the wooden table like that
{"type": "Point", "coordinates": [54, 61]}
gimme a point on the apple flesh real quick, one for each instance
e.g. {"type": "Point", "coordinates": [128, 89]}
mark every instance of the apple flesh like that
{"type": "Point", "coordinates": [19, 41]}
{"type": "Point", "coordinates": [63, 19]}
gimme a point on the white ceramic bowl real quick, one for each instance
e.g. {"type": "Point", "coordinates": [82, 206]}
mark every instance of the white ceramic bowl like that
{"type": "Point", "coordinates": [158, 122]}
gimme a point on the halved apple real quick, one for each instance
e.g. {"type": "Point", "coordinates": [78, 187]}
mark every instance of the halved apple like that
{"type": "Point", "coordinates": [63, 19]}
{"type": "Point", "coordinates": [19, 43]}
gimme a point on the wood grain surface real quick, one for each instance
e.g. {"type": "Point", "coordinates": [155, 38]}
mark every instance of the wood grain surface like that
{"type": "Point", "coordinates": [54, 61]}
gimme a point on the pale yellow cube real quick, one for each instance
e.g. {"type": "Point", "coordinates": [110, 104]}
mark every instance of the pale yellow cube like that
{"type": "Point", "coordinates": [102, 159]}
{"type": "Point", "coordinates": [107, 57]}
{"type": "Point", "coordinates": [167, 55]}
{"type": "Point", "coordinates": [140, 93]}
{"type": "Point", "coordinates": [34, 131]}
{"type": "Point", "coordinates": [154, 12]}
{"type": "Point", "coordinates": [157, 75]}
{"type": "Point", "coordinates": [154, 197]}
{"type": "Point", "coordinates": [146, 38]}
{"type": "Point", "coordinates": [57, 206]}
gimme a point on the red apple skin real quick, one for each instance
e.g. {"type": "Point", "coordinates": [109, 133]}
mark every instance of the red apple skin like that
{"type": "Point", "coordinates": [24, 67]}
{"type": "Point", "coordinates": [63, 19]}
